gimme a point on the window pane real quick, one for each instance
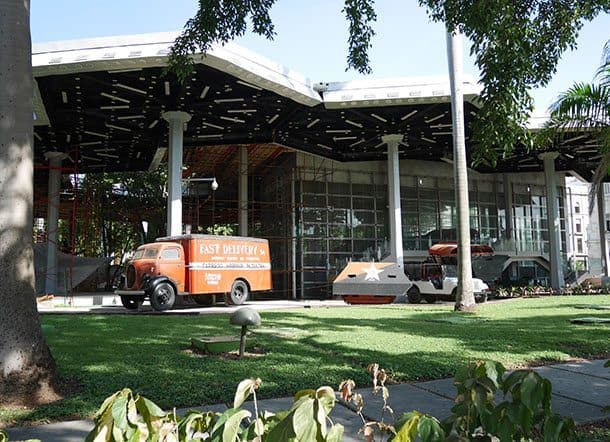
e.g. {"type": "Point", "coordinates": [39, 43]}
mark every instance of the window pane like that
{"type": "Point", "coordinates": [172, 253]}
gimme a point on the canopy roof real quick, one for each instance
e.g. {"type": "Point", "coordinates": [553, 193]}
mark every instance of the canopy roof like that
{"type": "Point", "coordinates": [100, 100]}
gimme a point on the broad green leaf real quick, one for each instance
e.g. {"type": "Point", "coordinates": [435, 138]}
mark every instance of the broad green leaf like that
{"type": "Point", "coordinates": [245, 389]}
{"type": "Point", "coordinates": [335, 433]}
{"type": "Point", "coordinates": [283, 431]}
{"type": "Point", "coordinates": [119, 412]}
{"type": "Point", "coordinates": [513, 379]}
{"type": "Point", "coordinates": [520, 415]}
{"type": "Point", "coordinates": [118, 434]}
{"type": "Point", "coordinates": [481, 397]}
{"type": "Point", "coordinates": [102, 431]}
{"type": "Point", "coordinates": [194, 422]}
{"type": "Point", "coordinates": [406, 429]}
{"type": "Point", "coordinates": [327, 404]}
{"type": "Point", "coordinates": [232, 426]}
{"type": "Point", "coordinates": [153, 409]}
{"type": "Point", "coordinates": [137, 436]}
{"type": "Point", "coordinates": [132, 412]}
{"type": "Point", "coordinates": [505, 430]}
{"type": "Point", "coordinates": [528, 391]}
{"type": "Point", "coordinates": [429, 429]}
{"type": "Point", "coordinates": [557, 428]}
{"type": "Point", "coordinates": [108, 402]}
{"type": "Point", "coordinates": [320, 417]}
{"type": "Point", "coordinates": [304, 421]}
{"type": "Point", "coordinates": [222, 419]}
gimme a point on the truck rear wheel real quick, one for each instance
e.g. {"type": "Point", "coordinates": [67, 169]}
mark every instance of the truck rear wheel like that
{"type": "Point", "coordinates": [132, 302]}
{"type": "Point", "coordinates": [163, 297]}
{"type": "Point", "coordinates": [238, 294]}
{"type": "Point", "coordinates": [414, 295]}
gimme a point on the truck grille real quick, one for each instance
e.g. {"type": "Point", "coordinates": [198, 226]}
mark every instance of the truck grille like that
{"type": "Point", "coordinates": [131, 276]}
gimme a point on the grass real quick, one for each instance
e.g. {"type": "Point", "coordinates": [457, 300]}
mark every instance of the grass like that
{"type": "Point", "coordinates": [305, 348]}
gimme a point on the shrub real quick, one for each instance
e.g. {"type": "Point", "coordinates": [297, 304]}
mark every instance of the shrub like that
{"type": "Point", "coordinates": [524, 414]}
{"type": "Point", "coordinates": [125, 417]}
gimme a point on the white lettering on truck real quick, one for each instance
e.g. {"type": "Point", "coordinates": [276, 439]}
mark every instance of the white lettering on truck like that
{"type": "Point", "coordinates": [209, 249]}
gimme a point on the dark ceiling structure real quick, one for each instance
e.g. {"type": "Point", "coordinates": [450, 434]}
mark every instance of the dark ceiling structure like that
{"type": "Point", "coordinates": [101, 103]}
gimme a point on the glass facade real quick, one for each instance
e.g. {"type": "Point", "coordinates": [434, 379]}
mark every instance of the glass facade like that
{"type": "Point", "coordinates": [338, 222]}
{"type": "Point", "coordinates": [341, 215]}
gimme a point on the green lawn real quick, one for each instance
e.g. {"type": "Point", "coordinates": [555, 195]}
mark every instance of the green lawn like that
{"type": "Point", "coordinates": [306, 348]}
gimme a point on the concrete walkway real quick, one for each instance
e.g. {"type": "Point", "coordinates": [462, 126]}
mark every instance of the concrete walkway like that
{"type": "Point", "coordinates": [106, 303]}
{"type": "Point", "coordinates": [580, 390]}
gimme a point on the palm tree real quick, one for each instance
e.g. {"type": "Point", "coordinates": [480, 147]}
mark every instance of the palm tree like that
{"type": "Point", "coordinates": [587, 106]}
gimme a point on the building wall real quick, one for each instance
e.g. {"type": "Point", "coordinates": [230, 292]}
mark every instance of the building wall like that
{"type": "Point", "coordinates": [583, 228]}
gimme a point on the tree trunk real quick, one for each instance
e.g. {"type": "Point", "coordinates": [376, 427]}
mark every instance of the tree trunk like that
{"type": "Point", "coordinates": [464, 299]}
{"type": "Point", "coordinates": [26, 364]}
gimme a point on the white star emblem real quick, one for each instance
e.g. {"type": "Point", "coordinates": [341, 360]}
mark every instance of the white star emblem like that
{"type": "Point", "coordinates": [372, 273]}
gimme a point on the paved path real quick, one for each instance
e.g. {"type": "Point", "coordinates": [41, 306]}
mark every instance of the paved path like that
{"type": "Point", "coordinates": [108, 303]}
{"type": "Point", "coordinates": [580, 390]}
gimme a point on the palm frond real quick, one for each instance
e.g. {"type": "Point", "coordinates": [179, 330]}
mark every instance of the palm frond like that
{"type": "Point", "coordinates": [584, 101]}
{"type": "Point", "coordinates": [603, 73]}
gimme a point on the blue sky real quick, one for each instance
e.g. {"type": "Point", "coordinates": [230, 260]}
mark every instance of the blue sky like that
{"type": "Point", "coordinates": [312, 37]}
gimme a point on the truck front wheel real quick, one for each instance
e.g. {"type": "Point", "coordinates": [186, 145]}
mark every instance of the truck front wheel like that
{"type": "Point", "coordinates": [238, 293]}
{"type": "Point", "coordinates": [163, 297]}
{"type": "Point", "coordinates": [132, 302]}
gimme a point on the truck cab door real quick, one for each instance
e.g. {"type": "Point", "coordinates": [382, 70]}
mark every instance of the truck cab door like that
{"type": "Point", "coordinates": [171, 264]}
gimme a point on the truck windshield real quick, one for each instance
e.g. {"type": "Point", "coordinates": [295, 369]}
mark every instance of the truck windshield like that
{"type": "Point", "coordinates": [146, 253]}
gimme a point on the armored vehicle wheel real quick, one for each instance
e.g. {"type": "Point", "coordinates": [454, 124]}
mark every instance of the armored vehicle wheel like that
{"type": "Point", "coordinates": [479, 299]}
{"type": "Point", "coordinates": [132, 302]}
{"type": "Point", "coordinates": [414, 295]}
{"type": "Point", "coordinates": [205, 300]}
{"type": "Point", "coordinates": [238, 294]}
{"type": "Point", "coordinates": [430, 298]}
{"type": "Point", "coordinates": [163, 297]}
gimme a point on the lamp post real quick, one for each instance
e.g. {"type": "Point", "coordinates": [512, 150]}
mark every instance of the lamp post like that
{"type": "Point", "coordinates": [213, 185]}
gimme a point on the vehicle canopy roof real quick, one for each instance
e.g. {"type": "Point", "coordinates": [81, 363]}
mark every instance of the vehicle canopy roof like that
{"type": "Point", "coordinates": [450, 249]}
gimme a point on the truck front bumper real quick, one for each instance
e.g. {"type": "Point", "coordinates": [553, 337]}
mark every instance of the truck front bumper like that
{"type": "Point", "coordinates": [130, 292]}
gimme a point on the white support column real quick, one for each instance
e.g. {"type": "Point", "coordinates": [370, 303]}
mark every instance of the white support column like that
{"type": "Point", "coordinates": [508, 205]}
{"type": "Point", "coordinates": [552, 213]}
{"type": "Point", "coordinates": [242, 191]}
{"type": "Point", "coordinates": [55, 159]}
{"type": "Point", "coordinates": [175, 122]}
{"type": "Point", "coordinates": [603, 244]}
{"type": "Point", "coordinates": [395, 214]}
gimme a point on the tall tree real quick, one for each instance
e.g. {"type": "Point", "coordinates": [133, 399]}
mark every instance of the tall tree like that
{"type": "Point", "coordinates": [464, 297]}
{"type": "Point", "coordinates": [26, 364]}
{"type": "Point", "coordinates": [517, 44]}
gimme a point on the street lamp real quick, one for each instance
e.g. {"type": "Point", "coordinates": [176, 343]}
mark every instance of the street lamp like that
{"type": "Point", "coordinates": [213, 185]}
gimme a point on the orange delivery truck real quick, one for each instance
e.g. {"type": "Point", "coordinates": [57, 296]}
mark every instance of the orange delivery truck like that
{"type": "Point", "coordinates": [196, 266]}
